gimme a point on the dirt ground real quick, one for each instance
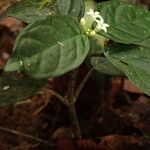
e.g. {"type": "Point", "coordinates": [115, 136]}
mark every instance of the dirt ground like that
{"type": "Point", "coordinates": [116, 119]}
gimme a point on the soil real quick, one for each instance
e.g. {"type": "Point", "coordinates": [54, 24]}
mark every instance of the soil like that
{"type": "Point", "coordinates": [113, 118]}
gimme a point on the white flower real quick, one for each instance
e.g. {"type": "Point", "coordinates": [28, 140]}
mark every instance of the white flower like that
{"type": "Point", "coordinates": [95, 15]}
{"type": "Point", "coordinates": [88, 20]}
{"type": "Point", "coordinates": [101, 26]}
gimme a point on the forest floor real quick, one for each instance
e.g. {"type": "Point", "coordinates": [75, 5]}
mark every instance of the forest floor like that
{"type": "Point", "coordinates": [116, 119]}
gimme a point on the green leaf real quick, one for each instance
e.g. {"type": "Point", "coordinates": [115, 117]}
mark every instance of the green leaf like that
{"type": "Point", "coordinates": [49, 47]}
{"type": "Point", "coordinates": [101, 64]}
{"type": "Point", "coordinates": [128, 23]}
{"type": "Point", "coordinates": [75, 8]}
{"type": "Point", "coordinates": [14, 89]}
{"type": "Point", "coordinates": [31, 10]}
{"type": "Point", "coordinates": [134, 61]}
{"type": "Point", "coordinates": [145, 43]}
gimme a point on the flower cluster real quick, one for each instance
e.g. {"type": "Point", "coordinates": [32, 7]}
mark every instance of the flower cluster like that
{"type": "Point", "coordinates": [88, 21]}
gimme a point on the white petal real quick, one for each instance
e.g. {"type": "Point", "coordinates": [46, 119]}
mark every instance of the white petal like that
{"type": "Point", "coordinates": [104, 29]}
{"type": "Point", "coordinates": [99, 20]}
{"type": "Point", "coordinates": [99, 26]}
{"type": "Point", "coordinates": [91, 12]}
{"type": "Point", "coordinates": [106, 25]}
{"type": "Point", "coordinates": [96, 13]}
{"type": "Point", "coordinates": [102, 26]}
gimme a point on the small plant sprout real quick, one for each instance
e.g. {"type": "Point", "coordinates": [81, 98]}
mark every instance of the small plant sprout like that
{"type": "Point", "coordinates": [59, 39]}
{"type": "Point", "coordinates": [88, 20]}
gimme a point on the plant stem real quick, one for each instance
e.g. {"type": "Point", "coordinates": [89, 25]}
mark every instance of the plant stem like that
{"type": "Point", "coordinates": [70, 99]}
{"type": "Point", "coordinates": [74, 121]}
{"type": "Point", "coordinates": [71, 107]}
{"type": "Point", "coordinates": [82, 84]}
{"type": "Point", "coordinates": [71, 86]}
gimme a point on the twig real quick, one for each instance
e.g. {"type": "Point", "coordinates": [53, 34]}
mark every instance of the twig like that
{"type": "Point", "coordinates": [26, 136]}
{"type": "Point", "coordinates": [82, 84]}
{"type": "Point", "coordinates": [28, 101]}
{"type": "Point", "coordinates": [39, 110]}
{"type": "Point", "coordinates": [57, 95]}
